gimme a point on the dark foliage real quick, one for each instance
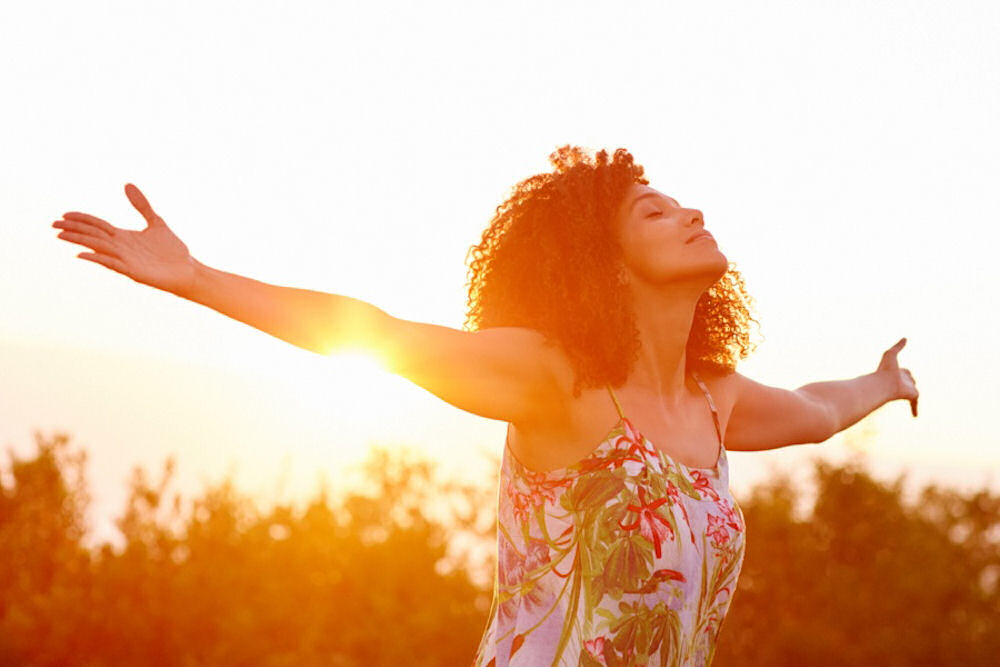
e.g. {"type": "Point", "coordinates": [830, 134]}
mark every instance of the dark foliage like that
{"type": "Point", "coordinates": [863, 578]}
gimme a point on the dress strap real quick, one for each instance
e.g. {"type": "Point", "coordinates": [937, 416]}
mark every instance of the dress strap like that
{"type": "Point", "coordinates": [711, 403]}
{"type": "Point", "coordinates": [617, 404]}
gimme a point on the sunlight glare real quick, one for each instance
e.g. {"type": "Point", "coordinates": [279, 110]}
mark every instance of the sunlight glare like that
{"type": "Point", "coordinates": [359, 364]}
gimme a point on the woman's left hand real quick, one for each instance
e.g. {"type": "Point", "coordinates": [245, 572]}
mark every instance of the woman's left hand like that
{"type": "Point", "coordinates": [902, 380]}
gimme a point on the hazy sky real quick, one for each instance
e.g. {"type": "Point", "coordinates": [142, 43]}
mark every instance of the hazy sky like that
{"type": "Point", "coordinates": [845, 156]}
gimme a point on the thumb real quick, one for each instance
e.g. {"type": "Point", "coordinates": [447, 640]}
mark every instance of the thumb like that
{"type": "Point", "coordinates": [888, 360]}
{"type": "Point", "coordinates": [142, 205]}
{"type": "Point", "coordinates": [897, 347]}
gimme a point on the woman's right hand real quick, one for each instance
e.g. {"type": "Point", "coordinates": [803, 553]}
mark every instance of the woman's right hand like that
{"type": "Point", "coordinates": [153, 256]}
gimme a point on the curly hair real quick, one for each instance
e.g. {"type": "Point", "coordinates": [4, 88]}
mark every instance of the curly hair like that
{"type": "Point", "coordinates": [550, 261]}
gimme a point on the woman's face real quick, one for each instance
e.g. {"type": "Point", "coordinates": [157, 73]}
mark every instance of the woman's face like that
{"type": "Point", "coordinates": [656, 232]}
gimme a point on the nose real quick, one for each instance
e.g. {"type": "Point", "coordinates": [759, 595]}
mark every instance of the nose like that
{"type": "Point", "coordinates": [697, 217]}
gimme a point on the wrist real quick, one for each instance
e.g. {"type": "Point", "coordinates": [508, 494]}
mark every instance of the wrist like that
{"type": "Point", "coordinates": [194, 284]}
{"type": "Point", "coordinates": [887, 383]}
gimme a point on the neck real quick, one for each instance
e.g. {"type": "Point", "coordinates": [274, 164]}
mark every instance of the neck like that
{"type": "Point", "coordinates": [664, 314]}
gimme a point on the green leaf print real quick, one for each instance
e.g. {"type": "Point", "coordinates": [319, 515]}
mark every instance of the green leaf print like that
{"type": "Point", "coordinates": [597, 539]}
{"type": "Point", "coordinates": [627, 565]}
{"type": "Point", "coordinates": [592, 492]}
{"type": "Point", "coordinates": [593, 550]}
{"type": "Point", "coordinates": [682, 483]}
{"type": "Point", "coordinates": [571, 607]}
{"type": "Point", "coordinates": [634, 630]}
{"type": "Point", "coordinates": [666, 634]}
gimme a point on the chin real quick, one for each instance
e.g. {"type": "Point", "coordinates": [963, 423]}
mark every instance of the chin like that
{"type": "Point", "coordinates": [719, 268]}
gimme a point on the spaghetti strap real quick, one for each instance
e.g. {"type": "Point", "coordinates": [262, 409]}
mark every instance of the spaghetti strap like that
{"type": "Point", "coordinates": [704, 389]}
{"type": "Point", "coordinates": [711, 404]}
{"type": "Point", "coordinates": [617, 404]}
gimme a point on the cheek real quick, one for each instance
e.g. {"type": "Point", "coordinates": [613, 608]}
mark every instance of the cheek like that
{"type": "Point", "coordinates": [655, 245]}
{"type": "Point", "coordinates": [654, 259]}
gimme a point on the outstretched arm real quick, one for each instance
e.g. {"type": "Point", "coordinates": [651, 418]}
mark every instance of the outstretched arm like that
{"type": "Point", "coordinates": [851, 400]}
{"type": "Point", "coordinates": [506, 373]}
{"type": "Point", "coordinates": [766, 417]}
{"type": "Point", "coordinates": [155, 256]}
{"type": "Point", "coordinates": [316, 321]}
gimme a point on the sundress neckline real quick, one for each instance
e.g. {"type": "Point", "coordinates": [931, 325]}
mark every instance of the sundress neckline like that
{"type": "Point", "coordinates": [713, 468]}
{"type": "Point", "coordinates": [720, 458]}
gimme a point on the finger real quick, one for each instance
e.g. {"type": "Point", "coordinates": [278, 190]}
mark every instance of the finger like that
{"type": "Point", "coordinates": [92, 242]}
{"type": "Point", "coordinates": [82, 228]}
{"type": "Point", "coordinates": [913, 406]}
{"type": "Point", "coordinates": [90, 219]}
{"type": "Point", "coordinates": [110, 262]}
{"type": "Point", "coordinates": [141, 204]}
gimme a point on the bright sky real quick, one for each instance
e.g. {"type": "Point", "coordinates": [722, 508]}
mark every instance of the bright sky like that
{"type": "Point", "coordinates": [845, 156]}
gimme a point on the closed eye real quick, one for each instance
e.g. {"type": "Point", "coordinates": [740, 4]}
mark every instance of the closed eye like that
{"type": "Point", "coordinates": [654, 214]}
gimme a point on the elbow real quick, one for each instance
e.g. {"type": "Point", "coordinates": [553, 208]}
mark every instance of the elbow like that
{"type": "Point", "coordinates": [826, 423]}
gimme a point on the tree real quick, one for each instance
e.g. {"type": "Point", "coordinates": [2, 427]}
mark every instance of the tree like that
{"type": "Point", "coordinates": [864, 578]}
{"type": "Point", "coordinates": [860, 577]}
{"type": "Point", "coordinates": [364, 581]}
{"type": "Point", "coordinates": [43, 567]}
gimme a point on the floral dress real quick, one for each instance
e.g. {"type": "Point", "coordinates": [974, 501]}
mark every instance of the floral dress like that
{"type": "Point", "coordinates": [626, 557]}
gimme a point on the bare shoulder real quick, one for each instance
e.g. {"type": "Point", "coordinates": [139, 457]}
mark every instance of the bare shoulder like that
{"type": "Point", "coordinates": [552, 401]}
{"type": "Point", "coordinates": [556, 405]}
{"type": "Point", "coordinates": [513, 374]}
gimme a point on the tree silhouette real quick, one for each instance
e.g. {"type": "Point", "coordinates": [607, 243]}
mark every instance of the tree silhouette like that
{"type": "Point", "coordinates": [375, 578]}
{"type": "Point", "coordinates": [356, 583]}
{"type": "Point", "coordinates": [866, 579]}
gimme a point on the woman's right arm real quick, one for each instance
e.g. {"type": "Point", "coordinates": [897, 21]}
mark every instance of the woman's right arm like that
{"type": "Point", "coordinates": [506, 373]}
{"type": "Point", "coordinates": [316, 321]}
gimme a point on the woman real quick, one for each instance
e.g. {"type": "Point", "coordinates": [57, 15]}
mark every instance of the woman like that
{"type": "Point", "coordinates": [604, 326]}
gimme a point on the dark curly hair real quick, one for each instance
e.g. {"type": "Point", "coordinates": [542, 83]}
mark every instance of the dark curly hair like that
{"type": "Point", "coordinates": [550, 261]}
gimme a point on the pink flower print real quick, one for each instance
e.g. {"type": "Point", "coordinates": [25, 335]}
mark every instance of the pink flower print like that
{"type": "Point", "coordinates": [595, 647]}
{"type": "Point", "coordinates": [656, 579]}
{"type": "Point", "coordinates": [536, 590]}
{"type": "Point", "coordinates": [538, 554]}
{"type": "Point", "coordinates": [511, 568]}
{"type": "Point", "coordinates": [636, 442]}
{"type": "Point", "coordinates": [631, 432]}
{"type": "Point", "coordinates": [542, 494]}
{"type": "Point", "coordinates": [631, 446]}
{"type": "Point", "coordinates": [668, 575]}
{"type": "Point", "coordinates": [537, 495]}
{"type": "Point", "coordinates": [674, 495]}
{"type": "Point", "coordinates": [717, 530]}
{"type": "Point", "coordinates": [732, 516]}
{"type": "Point", "coordinates": [539, 480]}
{"type": "Point", "coordinates": [520, 502]}
{"type": "Point", "coordinates": [652, 525]}
{"type": "Point", "coordinates": [702, 484]}
{"type": "Point", "coordinates": [515, 576]}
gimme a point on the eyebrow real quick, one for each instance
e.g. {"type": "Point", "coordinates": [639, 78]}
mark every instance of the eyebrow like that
{"type": "Point", "coordinates": [647, 195]}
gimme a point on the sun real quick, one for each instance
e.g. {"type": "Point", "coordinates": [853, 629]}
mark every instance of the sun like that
{"type": "Point", "coordinates": [357, 364]}
{"type": "Point", "coordinates": [352, 385]}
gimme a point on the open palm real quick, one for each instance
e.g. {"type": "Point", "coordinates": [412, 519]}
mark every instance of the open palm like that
{"type": "Point", "coordinates": [152, 256]}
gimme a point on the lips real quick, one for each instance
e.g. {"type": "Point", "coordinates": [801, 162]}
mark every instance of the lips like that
{"type": "Point", "coordinates": [699, 235]}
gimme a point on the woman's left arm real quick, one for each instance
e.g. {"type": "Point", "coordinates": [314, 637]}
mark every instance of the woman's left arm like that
{"type": "Point", "coordinates": [849, 401]}
{"type": "Point", "coordinates": [766, 417]}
